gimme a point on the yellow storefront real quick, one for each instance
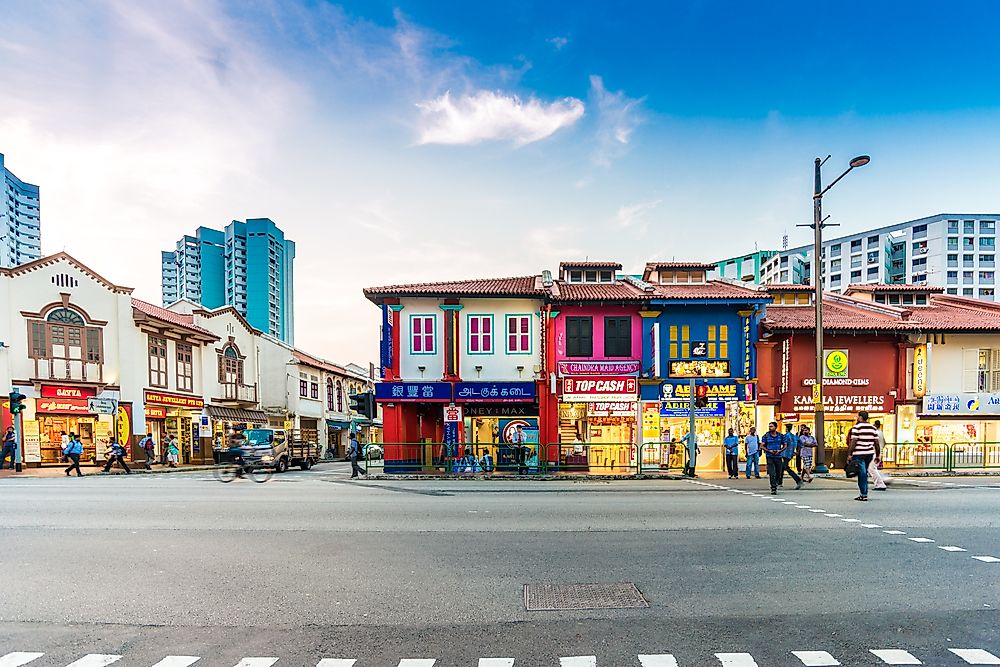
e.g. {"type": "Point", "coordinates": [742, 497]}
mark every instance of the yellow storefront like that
{"type": "Point", "coordinates": [175, 415]}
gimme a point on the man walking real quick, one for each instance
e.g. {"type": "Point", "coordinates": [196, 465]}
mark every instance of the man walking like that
{"type": "Point", "coordinates": [732, 445]}
{"type": "Point", "coordinates": [773, 445]}
{"type": "Point", "coordinates": [807, 443]}
{"type": "Point", "coordinates": [149, 447]}
{"type": "Point", "coordinates": [752, 443]}
{"type": "Point", "coordinates": [73, 451]}
{"type": "Point", "coordinates": [791, 442]}
{"type": "Point", "coordinates": [9, 447]}
{"type": "Point", "coordinates": [862, 448]}
{"type": "Point", "coordinates": [116, 453]}
{"type": "Point", "coordinates": [354, 453]}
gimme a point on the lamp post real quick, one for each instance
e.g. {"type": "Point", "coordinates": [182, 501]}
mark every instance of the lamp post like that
{"type": "Point", "coordinates": [819, 191]}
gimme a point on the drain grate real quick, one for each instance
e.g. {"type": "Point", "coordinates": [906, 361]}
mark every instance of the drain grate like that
{"type": "Point", "coordinates": [558, 597]}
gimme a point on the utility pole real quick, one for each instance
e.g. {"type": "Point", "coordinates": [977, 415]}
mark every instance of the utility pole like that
{"type": "Point", "coordinates": [692, 443]}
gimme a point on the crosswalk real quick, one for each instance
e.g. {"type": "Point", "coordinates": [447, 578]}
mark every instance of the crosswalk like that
{"type": "Point", "coordinates": [885, 656]}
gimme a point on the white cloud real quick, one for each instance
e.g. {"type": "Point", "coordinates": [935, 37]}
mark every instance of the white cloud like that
{"type": "Point", "coordinates": [617, 118]}
{"type": "Point", "coordinates": [632, 213]}
{"type": "Point", "coordinates": [489, 116]}
{"type": "Point", "coordinates": [558, 42]}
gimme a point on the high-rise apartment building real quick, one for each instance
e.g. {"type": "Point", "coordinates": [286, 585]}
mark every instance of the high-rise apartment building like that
{"type": "Point", "coordinates": [747, 268]}
{"type": "Point", "coordinates": [248, 266]}
{"type": "Point", "coordinates": [954, 251]}
{"type": "Point", "coordinates": [20, 226]}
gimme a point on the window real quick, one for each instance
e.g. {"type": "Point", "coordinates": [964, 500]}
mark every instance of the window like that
{"type": "Point", "coordinates": [576, 276]}
{"type": "Point", "coordinates": [968, 226]}
{"type": "Point", "coordinates": [968, 277]}
{"type": "Point", "coordinates": [590, 276]}
{"type": "Point", "coordinates": [920, 231]}
{"type": "Point", "coordinates": [873, 241]}
{"type": "Point", "coordinates": [65, 316]}
{"type": "Point", "coordinates": [920, 248]}
{"type": "Point", "coordinates": [185, 368]}
{"type": "Point", "coordinates": [920, 299]}
{"type": "Point", "coordinates": [579, 336]}
{"type": "Point", "coordinates": [952, 243]}
{"type": "Point", "coordinates": [835, 250]}
{"type": "Point", "coordinates": [856, 262]}
{"type": "Point", "coordinates": [519, 334]}
{"type": "Point", "coordinates": [919, 278]}
{"type": "Point", "coordinates": [981, 370]}
{"type": "Point", "coordinates": [953, 290]}
{"type": "Point", "coordinates": [480, 334]}
{"type": "Point", "coordinates": [39, 350]}
{"type": "Point", "coordinates": [986, 293]}
{"type": "Point", "coordinates": [618, 336]}
{"type": "Point", "coordinates": [987, 261]}
{"type": "Point", "coordinates": [783, 261]}
{"type": "Point", "coordinates": [856, 245]}
{"type": "Point", "coordinates": [968, 261]}
{"type": "Point", "coordinates": [986, 277]}
{"type": "Point", "coordinates": [784, 276]}
{"type": "Point", "coordinates": [230, 366]}
{"type": "Point", "coordinates": [873, 257]}
{"type": "Point", "coordinates": [966, 291]}
{"type": "Point", "coordinates": [314, 390]}
{"type": "Point", "coordinates": [953, 226]}
{"type": "Point", "coordinates": [340, 396]}
{"type": "Point", "coordinates": [835, 265]}
{"type": "Point", "coordinates": [304, 388]}
{"type": "Point", "coordinates": [953, 277]}
{"type": "Point", "coordinates": [987, 227]}
{"type": "Point", "coordinates": [952, 261]}
{"type": "Point", "coordinates": [422, 338]}
{"type": "Point", "coordinates": [968, 243]}
{"type": "Point", "coordinates": [718, 341]}
{"type": "Point", "coordinates": [920, 264]}
{"type": "Point", "coordinates": [987, 243]}
{"type": "Point", "coordinates": [680, 346]}
{"type": "Point", "coordinates": [607, 277]}
{"type": "Point", "coordinates": [95, 346]}
{"type": "Point", "coordinates": [855, 275]}
{"type": "Point", "coordinates": [157, 361]}
{"type": "Point", "coordinates": [835, 280]}
{"type": "Point", "coordinates": [329, 394]}
{"type": "Point", "coordinates": [873, 272]}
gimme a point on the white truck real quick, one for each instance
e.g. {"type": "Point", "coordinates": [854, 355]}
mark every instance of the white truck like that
{"type": "Point", "coordinates": [277, 448]}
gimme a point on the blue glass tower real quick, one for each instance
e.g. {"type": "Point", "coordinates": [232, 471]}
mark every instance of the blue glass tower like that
{"type": "Point", "coordinates": [20, 225]}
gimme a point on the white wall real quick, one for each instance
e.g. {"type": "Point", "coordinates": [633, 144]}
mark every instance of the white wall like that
{"type": "Point", "coordinates": [947, 362]}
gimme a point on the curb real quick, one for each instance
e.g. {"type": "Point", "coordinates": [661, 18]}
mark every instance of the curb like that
{"type": "Point", "coordinates": [664, 476]}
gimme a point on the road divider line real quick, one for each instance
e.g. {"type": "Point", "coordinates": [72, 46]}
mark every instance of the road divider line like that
{"type": "Point", "coordinates": [417, 662]}
{"type": "Point", "coordinates": [18, 659]}
{"type": "Point", "coordinates": [335, 662]}
{"type": "Point", "coordinates": [817, 511]}
{"type": "Point", "coordinates": [833, 515]}
{"type": "Point", "coordinates": [579, 661]}
{"type": "Point", "coordinates": [736, 659]}
{"type": "Point", "coordinates": [894, 532]}
{"type": "Point", "coordinates": [870, 525]}
{"type": "Point", "coordinates": [662, 660]}
{"type": "Point", "coordinates": [256, 662]}
{"type": "Point", "coordinates": [179, 661]}
{"type": "Point", "coordinates": [976, 656]}
{"type": "Point", "coordinates": [95, 660]}
{"type": "Point", "coordinates": [816, 658]}
{"type": "Point", "coordinates": [921, 540]}
{"type": "Point", "coordinates": [851, 520]}
{"type": "Point", "coordinates": [892, 656]}
{"type": "Point", "coordinates": [496, 662]}
{"type": "Point", "coordinates": [987, 559]}
{"type": "Point", "coordinates": [950, 548]}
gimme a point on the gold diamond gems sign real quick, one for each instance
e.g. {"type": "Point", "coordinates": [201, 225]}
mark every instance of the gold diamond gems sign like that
{"type": "Point", "coordinates": [835, 364]}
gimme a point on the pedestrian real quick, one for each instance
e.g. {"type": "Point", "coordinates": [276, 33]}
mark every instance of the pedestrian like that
{"type": "Point", "coordinates": [752, 444]}
{"type": "Point", "coordinates": [807, 443]}
{"type": "Point", "coordinates": [9, 447]}
{"type": "Point", "coordinates": [74, 449]}
{"type": "Point", "coordinates": [791, 442]}
{"type": "Point", "coordinates": [863, 448]}
{"type": "Point", "coordinates": [486, 463]}
{"type": "Point", "coordinates": [773, 445]}
{"type": "Point", "coordinates": [690, 441]}
{"type": "Point", "coordinates": [116, 453]}
{"type": "Point", "coordinates": [172, 452]}
{"type": "Point", "coordinates": [149, 448]}
{"type": "Point", "coordinates": [732, 445]}
{"type": "Point", "coordinates": [874, 470]}
{"type": "Point", "coordinates": [354, 453]}
{"type": "Point", "coordinates": [520, 451]}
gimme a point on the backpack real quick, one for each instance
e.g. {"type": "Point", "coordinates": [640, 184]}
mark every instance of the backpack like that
{"type": "Point", "coordinates": [148, 444]}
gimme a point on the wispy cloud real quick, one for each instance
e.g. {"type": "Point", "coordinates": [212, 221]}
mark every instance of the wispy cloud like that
{"type": "Point", "coordinates": [633, 213]}
{"type": "Point", "coordinates": [617, 118]}
{"type": "Point", "coordinates": [490, 116]}
{"type": "Point", "coordinates": [558, 42]}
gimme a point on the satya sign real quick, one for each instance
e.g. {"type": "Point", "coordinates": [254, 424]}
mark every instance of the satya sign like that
{"type": "Point", "coordinates": [52, 391]}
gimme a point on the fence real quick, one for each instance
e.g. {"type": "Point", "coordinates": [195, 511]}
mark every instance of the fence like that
{"type": "Point", "coordinates": [626, 459]}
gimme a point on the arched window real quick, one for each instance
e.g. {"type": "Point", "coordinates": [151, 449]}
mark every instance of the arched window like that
{"type": "Point", "coordinates": [63, 336]}
{"type": "Point", "coordinates": [230, 366]}
{"type": "Point", "coordinates": [329, 394]}
{"type": "Point", "coordinates": [340, 396]}
{"type": "Point", "coordinates": [65, 316]}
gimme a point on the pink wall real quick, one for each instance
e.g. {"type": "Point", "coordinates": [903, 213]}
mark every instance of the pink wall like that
{"type": "Point", "coordinates": [598, 313]}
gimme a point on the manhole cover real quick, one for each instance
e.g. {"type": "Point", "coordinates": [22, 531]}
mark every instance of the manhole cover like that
{"type": "Point", "coordinates": [556, 597]}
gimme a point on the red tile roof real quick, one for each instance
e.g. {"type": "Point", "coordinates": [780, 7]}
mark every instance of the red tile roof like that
{"type": "Point", "coordinates": [170, 317]}
{"type": "Point", "coordinates": [526, 286]}
{"type": "Point", "coordinates": [615, 266]}
{"type": "Point", "coordinates": [890, 289]}
{"type": "Point", "coordinates": [712, 289]}
{"type": "Point", "coordinates": [309, 360]}
{"type": "Point", "coordinates": [656, 266]}
{"type": "Point", "coordinates": [786, 287]}
{"type": "Point", "coordinates": [616, 291]}
{"type": "Point", "coordinates": [844, 313]}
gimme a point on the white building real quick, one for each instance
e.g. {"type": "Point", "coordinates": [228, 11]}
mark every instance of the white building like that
{"type": "Point", "coordinates": [20, 225]}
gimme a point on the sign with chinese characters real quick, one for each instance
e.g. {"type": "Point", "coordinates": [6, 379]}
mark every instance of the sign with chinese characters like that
{"type": "Point", "coordinates": [626, 409]}
{"type": "Point", "coordinates": [835, 364]}
{"type": "Point", "coordinates": [413, 391]}
{"type": "Point", "coordinates": [495, 391]}
{"type": "Point", "coordinates": [174, 400]}
{"type": "Point", "coordinates": [920, 371]}
{"type": "Point", "coordinates": [683, 409]}
{"type": "Point", "coordinates": [452, 413]}
{"type": "Point", "coordinates": [50, 391]}
{"type": "Point", "coordinates": [65, 406]}
{"type": "Point", "coordinates": [955, 404]}
{"type": "Point", "coordinates": [599, 367]}
{"type": "Point", "coordinates": [682, 391]}
{"type": "Point", "coordinates": [852, 404]}
{"type": "Point", "coordinates": [699, 368]}
{"type": "Point", "coordinates": [589, 389]}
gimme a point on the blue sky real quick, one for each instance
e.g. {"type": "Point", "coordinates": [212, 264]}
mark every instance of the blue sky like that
{"type": "Point", "coordinates": [412, 141]}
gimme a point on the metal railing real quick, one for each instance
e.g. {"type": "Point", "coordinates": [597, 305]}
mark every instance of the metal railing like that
{"type": "Point", "coordinates": [941, 456]}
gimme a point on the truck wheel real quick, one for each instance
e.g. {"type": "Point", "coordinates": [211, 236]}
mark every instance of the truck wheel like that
{"type": "Point", "coordinates": [306, 465]}
{"type": "Point", "coordinates": [282, 465]}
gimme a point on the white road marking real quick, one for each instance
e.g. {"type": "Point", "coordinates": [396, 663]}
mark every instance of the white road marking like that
{"type": "Point", "coordinates": [816, 658]}
{"type": "Point", "coordinates": [987, 559]}
{"type": "Point", "coordinates": [257, 662]}
{"type": "Point", "coordinates": [736, 659]}
{"type": "Point", "coordinates": [893, 656]}
{"type": "Point", "coordinates": [870, 525]}
{"type": "Point", "coordinates": [95, 660]}
{"type": "Point", "coordinates": [335, 662]}
{"type": "Point", "coordinates": [976, 656]}
{"type": "Point", "coordinates": [579, 661]}
{"type": "Point", "coordinates": [851, 520]}
{"type": "Point", "coordinates": [417, 662]}
{"type": "Point", "coordinates": [184, 661]}
{"type": "Point", "coordinates": [663, 660]}
{"type": "Point", "coordinates": [952, 548]}
{"type": "Point", "coordinates": [922, 540]}
{"type": "Point", "coordinates": [832, 515]}
{"type": "Point", "coordinates": [817, 511]}
{"type": "Point", "coordinates": [802, 507]}
{"type": "Point", "coordinates": [788, 502]}
{"type": "Point", "coordinates": [496, 662]}
{"type": "Point", "coordinates": [894, 532]}
{"type": "Point", "coordinates": [18, 659]}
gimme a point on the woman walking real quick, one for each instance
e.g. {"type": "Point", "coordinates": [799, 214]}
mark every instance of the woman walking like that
{"type": "Point", "coordinates": [172, 452]}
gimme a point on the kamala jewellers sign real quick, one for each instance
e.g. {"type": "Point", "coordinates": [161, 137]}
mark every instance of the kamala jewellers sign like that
{"type": "Point", "coordinates": [850, 404]}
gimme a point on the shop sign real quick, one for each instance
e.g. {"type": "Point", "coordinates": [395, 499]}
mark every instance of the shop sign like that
{"type": "Point", "coordinates": [948, 404]}
{"type": "Point", "coordinates": [413, 391]}
{"type": "Point", "coordinates": [851, 404]}
{"type": "Point", "coordinates": [385, 349]}
{"type": "Point", "coordinates": [615, 409]}
{"type": "Point", "coordinates": [586, 389]}
{"type": "Point", "coordinates": [920, 371]}
{"type": "Point", "coordinates": [682, 390]}
{"type": "Point", "coordinates": [499, 410]}
{"type": "Point", "coordinates": [124, 424]}
{"type": "Point", "coordinates": [699, 368]}
{"type": "Point", "coordinates": [50, 391]}
{"type": "Point", "coordinates": [835, 363]}
{"type": "Point", "coordinates": [786, 364]}
{"type": "Point", "coordinates": [102, 406]}
{"type": "Point", "coordinates": [746, 348]}
{"type": "Point", "coordinates": [495, 391]}
{"type": "Point", "coordinates": [452, 413]}
{"type": "Point", "coordinates": [683, 409]}
{"type": "Point", "coordinates": [599, 367]}
{"type": "Point", "coordinates": [66, 406]}
{"type": "Point", "coordinates": [32, 441]}
{"type": "Point", "coordinates": [838, 382]}
{"type": "Point", "coordinates": [205, 427]}
{"type": "Point", "coordinates": [699, 348]}
{"type": "Point", "coordinates": [155, 413]}
{"type": "Point", "coordinates": [174, 400]}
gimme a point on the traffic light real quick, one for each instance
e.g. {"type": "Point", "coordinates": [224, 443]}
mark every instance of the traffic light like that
{"type": "Point", "coordinates": [363, 403]}
{"type": "Point", "coordinates": [370, 408]}
{"type": "Point", "coordinates": [356, 403]}
{"type": "Point", "coordinates": [16, 401]}
{"type": "Point", "coordinates": [701, 396]}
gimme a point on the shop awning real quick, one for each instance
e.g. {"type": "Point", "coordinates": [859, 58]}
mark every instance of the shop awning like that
{"type": "Point", "coordinates": [333, 423]}
{"type": "Point", "coordinates": [238, 415]}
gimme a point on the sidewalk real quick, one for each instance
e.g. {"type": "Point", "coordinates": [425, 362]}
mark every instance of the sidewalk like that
{"type": "Point", "coordinates": [91, 470]}
{"type": "Point", "coordinates": [708, 475]}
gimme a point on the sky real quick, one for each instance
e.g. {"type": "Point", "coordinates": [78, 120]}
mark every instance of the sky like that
{"type": "Point", "coordinates": [419, 141]}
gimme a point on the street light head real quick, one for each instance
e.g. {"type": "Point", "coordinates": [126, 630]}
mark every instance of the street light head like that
{"type": "Point", "coordinates": [860, 161]}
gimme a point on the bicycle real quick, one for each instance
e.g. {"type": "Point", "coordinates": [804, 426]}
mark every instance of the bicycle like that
{"type": "Point", "coordinates": [227, 471]}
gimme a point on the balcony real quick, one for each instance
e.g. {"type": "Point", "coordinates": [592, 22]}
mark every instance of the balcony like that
{"type": "Point", "coordinates": [67, 368]}
{"type": "Point", "coordinates": [239, 393]}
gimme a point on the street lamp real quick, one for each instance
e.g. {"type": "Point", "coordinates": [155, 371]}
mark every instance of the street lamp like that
{"type": "Point", "coordinates": [817, 226]}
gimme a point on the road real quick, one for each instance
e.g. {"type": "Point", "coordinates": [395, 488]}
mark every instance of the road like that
{"type": "Point", "coordinates": [314, 566]}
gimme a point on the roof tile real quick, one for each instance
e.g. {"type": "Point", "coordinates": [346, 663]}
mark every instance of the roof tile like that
{"type": "Point", "coordinates": [169, 316]}
{"type": "Point", "coordinates": [528, 286]}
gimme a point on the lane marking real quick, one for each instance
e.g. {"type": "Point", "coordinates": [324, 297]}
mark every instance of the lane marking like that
{"type": "Point", "coordinates": [256, 662]}
{"type": "Point", "coordinates": [18, 659]}
{"type": "Point", "coordinates": [788, 502]}
{"type": "Point", "coordinates": [183, 661]}
{"type": "Point", "coordinates": [987, 559]}
{"type": "Point", "coordinates": [922, 540]}
{"type": "Point", "coordinates": [579, 661]}
{"type": "Point", "coordinates": [816, 658]}
{"type": "Point", "coordinates": [496, 662]}
{"type": "Point", "coordinates": [832, 515]}
{"type": "Point", "coordinates": [894, 532]}
{"type": "Point", "coordinates": [662, 660]}
{"type": "Point", "coordinates": [736, 659]}
{"type": "Point", "coordinates": [892, 656]}
{"type": "Point", "coordinates": [95, 660]}
{"type": "Point", "coordinates": [951, 548]}
{"type": "Point", "coordinates": [851, 520]}
{"type": "Point", "coordinates": [802, 507]}
{"type": "Point", "coordinates": [335, 662]}
{"type": "Point", "coordinates": [870, 525]}
{"type": "Point", "coordinates": [817, 511]}
{"type": "Point", "coordinates": [976, 656]}
{"type": "Point", "coordinates": [417, 662]}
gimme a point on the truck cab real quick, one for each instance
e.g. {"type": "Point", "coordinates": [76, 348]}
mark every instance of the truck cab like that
{"type": "Point", "coordinates": [277, 448]}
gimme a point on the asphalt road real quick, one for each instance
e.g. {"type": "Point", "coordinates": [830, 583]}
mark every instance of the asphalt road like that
{"type": "Point", "coordinates": [312, 565]}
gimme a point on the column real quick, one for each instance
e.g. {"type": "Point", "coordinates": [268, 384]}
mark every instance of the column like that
{"type": "Point", "coordinates": [452, 339]}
